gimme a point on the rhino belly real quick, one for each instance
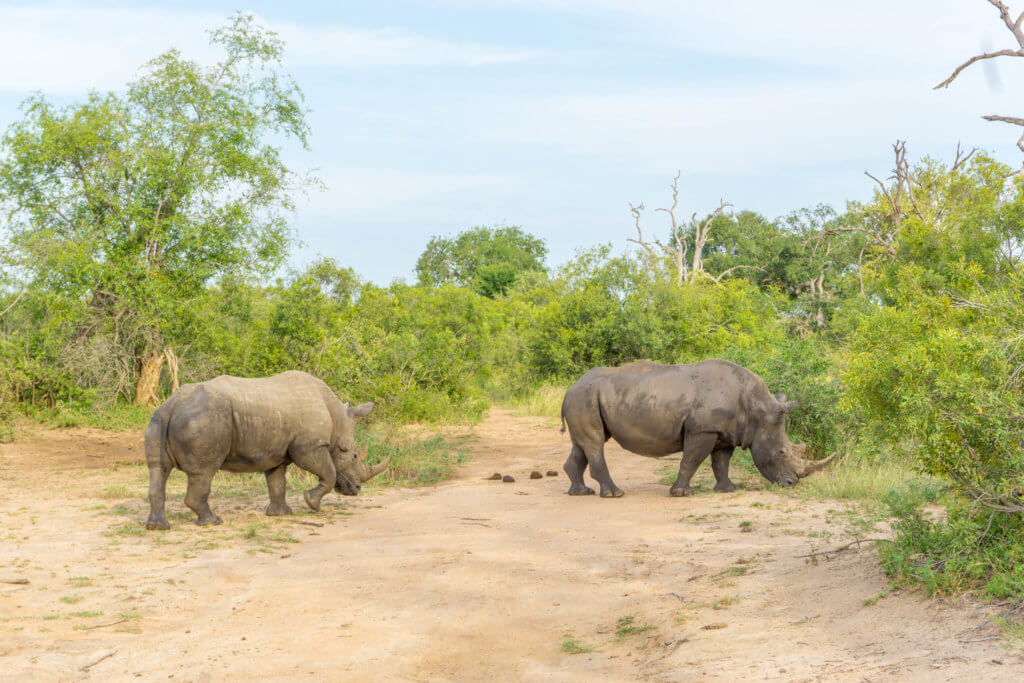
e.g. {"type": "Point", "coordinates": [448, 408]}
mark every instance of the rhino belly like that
{"type": "Point", "coordinates": [647, 444]}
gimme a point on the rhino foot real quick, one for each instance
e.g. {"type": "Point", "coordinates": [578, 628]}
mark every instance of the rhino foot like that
{"type": "Point", "coordinates": [612, 492]}
{"type": "Point", "coordinates": [727, 487]}
{"type": "Point", "coordinates": [581, 491]}
{"type": "Point", "coordinates": [210, 519]}
{"type": "Point", "coordinates": [157, 524]}
{"type": "Point", "coordinates": [315, 507]}
{"type": "Point", "coordinates": [681, 491]}
{"type": "Point", "coordinates": [278, 509]}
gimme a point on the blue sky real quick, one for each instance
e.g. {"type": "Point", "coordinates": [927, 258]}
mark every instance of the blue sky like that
{"type": "Point", "coordinates": [432, 116]}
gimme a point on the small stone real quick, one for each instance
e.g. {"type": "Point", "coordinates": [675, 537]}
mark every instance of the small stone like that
{"type": "Point", "coordinates": [494, 477]}
{"type": "Point", "coordinates": [552, 473]}
{"type": "Point", "coordinates": [508, 478]}
{"type": "Point", "coordinates": [536, 475]}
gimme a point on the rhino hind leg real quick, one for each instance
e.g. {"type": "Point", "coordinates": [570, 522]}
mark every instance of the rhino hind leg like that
{"type": "Point", "coordinates": [197, 498]}
{"type": "Point", "coordinates": [276, 488]}
{"type": "Point", "coordinates": [157, 494]}
{"type": "Point", "coordinates": [599, 471]}
{"type": "Point", "coordinates": [318, 462]}
{"type": "Point", "coordinates": [696, 448]}
{"type": "Point", "coordinates": [720, 465]}
{"type": "Point", "coordinates": [574, 466]}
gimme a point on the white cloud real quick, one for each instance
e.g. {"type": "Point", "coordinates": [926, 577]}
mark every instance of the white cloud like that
{"type": "Point", "coordinates": [62, 49]}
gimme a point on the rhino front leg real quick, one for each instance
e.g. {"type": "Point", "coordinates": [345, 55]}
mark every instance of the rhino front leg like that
{"type": "Point", "coordinates": [720, 465]}
{"type": "Point", "coordinates": [696, 448]}
{"type": "Point", "coordinates": [197, 498]}
{"type": "Point", "coordinates": [277, 489]}
{"type": "Point", "coordinates": [574, 466]}
{"type": "Point", "coordinates": [599, 471]}
{"type": "Point", "coordinates": [318, 461]}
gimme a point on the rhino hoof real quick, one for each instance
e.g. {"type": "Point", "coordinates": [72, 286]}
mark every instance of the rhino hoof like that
{"type": "Point", "coordinates": [614, 493]}
{"type": "Point", "coordinates": [157, 525]}
{"type": "Point", "coordinates": [208, 521]}
{"type": "Point", "coordinates": [581, 491]}
{"type": "Point", "coordinates": [278, 510]}
{"type": "Point", "coordinates": [309, 502]}
{"type": "Point", "coordinates": [725, 488]}
{"type": "Point", "coordinates": [679, 493]}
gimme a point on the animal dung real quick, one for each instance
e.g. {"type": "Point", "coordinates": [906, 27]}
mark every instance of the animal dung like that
{"type": "Point", "coordinates": [494, 477]}
{"type": "Point", "coordinates": [536, 475]}
{"type": "Point", "coordinates": [552, 473]}
{"type": "Point", "coordinates": [508, 478]}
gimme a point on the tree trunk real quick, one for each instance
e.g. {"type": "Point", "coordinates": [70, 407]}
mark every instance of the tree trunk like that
{"type": "Point", "coordinates": [149, 379]}
{"type": "Point", "coordinates": [172, 367]}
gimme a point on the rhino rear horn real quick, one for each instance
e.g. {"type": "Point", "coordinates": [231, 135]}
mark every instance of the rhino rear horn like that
{"type": "Point", "coordinates": [369, 472]}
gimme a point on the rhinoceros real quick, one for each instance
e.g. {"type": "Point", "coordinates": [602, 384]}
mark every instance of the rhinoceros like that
{"type": "Point", "coordinates": [254, 425]}
{"type": "Point", "coordinates": [701, 409]}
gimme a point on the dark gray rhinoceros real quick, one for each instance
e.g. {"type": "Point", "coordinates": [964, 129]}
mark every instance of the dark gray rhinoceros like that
{"type": "Point", "coordinates": [701, 409]}
{"type": "Point", "coordinates": [254, 425]}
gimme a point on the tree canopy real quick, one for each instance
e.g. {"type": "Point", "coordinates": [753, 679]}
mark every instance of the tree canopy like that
{"type": "Point", "coordinates": [136, 201]}
{"type": "Point", "coordinates": [489, 260]}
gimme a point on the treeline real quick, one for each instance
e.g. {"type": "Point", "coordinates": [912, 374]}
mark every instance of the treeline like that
{"type": "Point", "coordinates": [143, 231]}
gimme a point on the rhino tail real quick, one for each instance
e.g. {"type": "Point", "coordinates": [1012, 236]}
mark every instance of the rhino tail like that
{"type": "Point", "coordinates": [156, 439]}
{"type": "Point", "coordinates": [562, 413]}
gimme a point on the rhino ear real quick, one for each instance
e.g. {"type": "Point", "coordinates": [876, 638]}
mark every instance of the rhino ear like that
{"type": "Point", "coordinates": [781, 397]}
{"type": "Point", "coordinates": [360, 410]}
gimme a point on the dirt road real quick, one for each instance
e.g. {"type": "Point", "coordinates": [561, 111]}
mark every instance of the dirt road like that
{"type": "Point", "coordinates": [469, 580]}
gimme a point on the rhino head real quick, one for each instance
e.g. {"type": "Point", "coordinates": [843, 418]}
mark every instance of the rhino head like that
{"type": "Point", "coordinates": [777, 458]}
{"type": "Point", "coordinates": [349, 465]}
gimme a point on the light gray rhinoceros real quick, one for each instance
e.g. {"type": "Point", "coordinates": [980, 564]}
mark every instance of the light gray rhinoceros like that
{"type": "Point", "coordinates": [254, 425]}
{"type": "Point", "coordinates": [701, 409]}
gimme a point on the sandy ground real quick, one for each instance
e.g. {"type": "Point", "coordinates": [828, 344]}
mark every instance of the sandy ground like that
{"type": "Point", "coordinates": [469, 580]}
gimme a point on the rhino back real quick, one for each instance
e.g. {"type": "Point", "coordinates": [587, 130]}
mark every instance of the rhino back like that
{"type": "Point", "coordinates": [266, 417]}
{"type": "Point", "coordinates": [647, 407]}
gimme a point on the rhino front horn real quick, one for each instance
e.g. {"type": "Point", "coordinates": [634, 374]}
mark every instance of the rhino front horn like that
{"type": "Point", "coordinates": [804, 467]}
{"type": "Point", "coordinates": [371, 472]}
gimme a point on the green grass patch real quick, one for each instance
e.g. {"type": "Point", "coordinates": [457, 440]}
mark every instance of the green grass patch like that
{"type": "Point", "coordinates": [627, 626]}
{"type": "Point", "coordinates": [572, 646]}
{"type": "Point", "coordinates": [970, 548]}
{"type": "Point", "coordinates": [71, 599]}
{"type": "Point", "coordinates": [542, 401]}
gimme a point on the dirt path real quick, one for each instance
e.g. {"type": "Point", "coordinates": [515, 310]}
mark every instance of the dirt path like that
{"type": "Point", "coordinates": [470, 580]}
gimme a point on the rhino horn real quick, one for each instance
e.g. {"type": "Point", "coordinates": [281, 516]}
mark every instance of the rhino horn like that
{"type": "Point", "coordinates": [371, 472]}
{"type": "Point", "coordinates": [804, 467]}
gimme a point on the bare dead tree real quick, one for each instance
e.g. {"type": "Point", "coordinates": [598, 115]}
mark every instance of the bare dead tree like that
{"type": "Point", "coordinates": [1017, 30]}
{"type": "Point", "coordinates": [678, 250]}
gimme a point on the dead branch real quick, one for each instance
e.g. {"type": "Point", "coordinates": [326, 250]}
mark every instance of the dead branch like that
{"type": "Point", "coordinates": [1015, 29]}
{"type": "Point", "coordinates": [701, 234]}
{"type": "Point", "coordinates": [13, 303]}
{"type": "Point", "coordinates": [845, 547]}
{"type": "Point", "coordinates": [1014, 26]}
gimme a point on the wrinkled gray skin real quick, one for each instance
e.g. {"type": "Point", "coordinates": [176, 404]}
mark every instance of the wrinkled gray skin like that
{"type": "Point", "coordinates": [254, 425]}
{"type": "Point", "coordinates": [701, 409]}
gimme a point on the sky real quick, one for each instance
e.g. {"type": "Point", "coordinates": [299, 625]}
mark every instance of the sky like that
{"type": "Point", "coordinates": [433, 116]}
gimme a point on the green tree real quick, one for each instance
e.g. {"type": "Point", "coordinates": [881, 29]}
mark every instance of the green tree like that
{"type": "Point", "coordinates": [134, 202]}
{"type": "Point", "coordinates": [487, 259]}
